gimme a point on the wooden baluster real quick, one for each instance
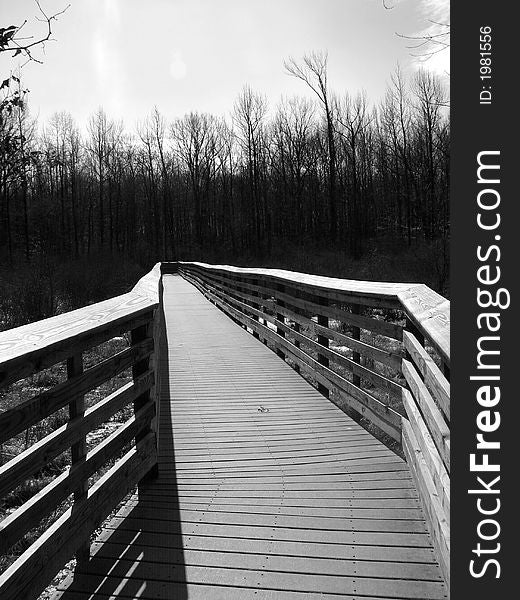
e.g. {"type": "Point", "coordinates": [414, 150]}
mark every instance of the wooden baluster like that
{"type": "Point", "coordinates": [280, 317]}
{"type": "Point", "coordinates": [79, 449]}
{"type": "Point", "coordinates": [255, 305]}
{"type": "Point", "coordinates": [323, 341]}
{"type": "Point", "coordinates": [297, 329]}
{"type": "Point", "coordinates": [356, 334]}
{"type": "Point", "coordinates": [138, 335]}
{"type": "Point", "coordinates": [239, 289]}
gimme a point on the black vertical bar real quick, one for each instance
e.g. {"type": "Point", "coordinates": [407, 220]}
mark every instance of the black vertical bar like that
{"type": "Point", "coordinates": [280, 317]}
{"type": "Point", "coordinates": [356, 334]}
{"type": "Point", "coordinates": [323, 341]}
{"type": "Point", "coordinates": [140, 334]}
{"type": "Point", "coordinates": [297, 328]}
{"type": "Point", "coordinates": [79, 449]}
{"type": "Point", "coordinates": [255, 305]}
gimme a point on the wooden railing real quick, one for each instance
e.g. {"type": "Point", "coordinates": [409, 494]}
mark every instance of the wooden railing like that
{"type": "Point", "coordinates": [116, 464]}
{"type": "Point", "coordinates": [379, 349]}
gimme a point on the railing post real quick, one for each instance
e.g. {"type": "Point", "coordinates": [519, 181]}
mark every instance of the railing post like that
{"type": "Point", "coordinates": [323, 341]}
{"type": "Point", "coordinates": [158, 340]}
{"type": "Point", "coordinates": [255, 305]}
{"type": "Point", "coordinates": [297, 330]}
{"type": "Point", "coordinates": [238, 281]}
{"type": "Point", "coordinates": [356, 335]}
{"type": "Point", "coordinates": [140, 334]}
{"type": "Point", "coordinates": [279, 317]}
{"type": "Point", "coordinates": [79, 449]}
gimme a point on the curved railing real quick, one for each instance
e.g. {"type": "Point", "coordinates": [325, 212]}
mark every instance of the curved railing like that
{"type": "Point", "coordinates": [381, 350]}
{"type": "Point", "coordinates": [117, 463]}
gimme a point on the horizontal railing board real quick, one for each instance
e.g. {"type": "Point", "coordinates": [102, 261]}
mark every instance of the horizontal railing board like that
{"type": "Point", "coordinates": [271, 286]}
{"type": "Point", "coordinates": [342, 360]}
{"type": "Point", "coordinates": [255, 472]}
{"type": "Point", "coordinates": [430, 312]}
{"type": "Point", "coordinates": [30, 348]}
{"type": "Point", "coordinates": [371, 324]}
{"type": "Point", "coordinates": [308, 361]}
{"type": "Point", "coordinates": [383, 356]}
{"type": "Point", "coordinates": [391, 359]}
{"type": "Point", "coordinates": [38, 455]}
{"type": "Point", "coordinates": [385, 418]}
{"type": "Point", "coordinates": [431, 455]}
{"type": "Point", "coordinates": [427, 309]}
{"type": "Point", "coordinates": [29, 574]}
{"type": "Point", "coordinates": [268, 289]}
{"type": "Point", "coordinates": [324, 351]}
{"type": "Point", "coordinates": [317, 282]}
{"type": "Point", "coordinates": [436, 517]}
{"type": "Point", "coordinates": [435, 422]}
{"type": "Point", "coordinates": [17, 419]}
{"type": "Point", "coordinates": [433, 378]}
{"type": "Point", "coordinates": [27, 516]}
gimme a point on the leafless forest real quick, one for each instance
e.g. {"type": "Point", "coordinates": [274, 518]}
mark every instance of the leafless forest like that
{"type": "Point", "coordinates": [329, 174]}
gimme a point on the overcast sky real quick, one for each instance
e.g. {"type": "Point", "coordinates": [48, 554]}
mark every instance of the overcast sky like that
{"type": "Point", "coordinates": [187, 55]}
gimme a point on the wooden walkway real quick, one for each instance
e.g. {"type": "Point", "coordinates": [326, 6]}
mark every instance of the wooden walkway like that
{"type": "Point", "coordinates": [266, 490]}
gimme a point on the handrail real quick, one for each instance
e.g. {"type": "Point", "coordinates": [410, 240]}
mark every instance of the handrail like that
{"type": "Point", "coordinates": [365, 345]}
{"type": "Point", "coordinates": [426, 309]}
{"type": "Point", "coordinates": [379, 349]}
{"type": "Point", "coordinates": [31, 348]}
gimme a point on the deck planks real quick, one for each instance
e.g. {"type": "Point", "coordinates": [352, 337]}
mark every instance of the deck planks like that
{"type": "Point", "coordinates": [266, 490]}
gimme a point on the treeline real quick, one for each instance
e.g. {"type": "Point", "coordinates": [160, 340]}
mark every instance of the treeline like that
{"type": "Point", "coordinates": [328, 170]}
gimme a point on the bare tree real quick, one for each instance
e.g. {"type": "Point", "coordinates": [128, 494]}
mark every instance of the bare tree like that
{"type": "Point", "coordinates": [353, 122]}
{"type": "Point", "coordinates": [249, 115]}
{"type": "Point", "coordinates": [313, 71]}
{"type": "Point", "coordinates": [196, 146]}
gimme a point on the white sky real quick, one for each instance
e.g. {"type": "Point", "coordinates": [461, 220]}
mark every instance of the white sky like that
{"type": "Point", "coordinates": [184, 55]}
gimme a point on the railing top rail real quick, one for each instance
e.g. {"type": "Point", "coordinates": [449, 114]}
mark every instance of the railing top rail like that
{"type": "Point", "coordinates": [427, 309]}
{"type": "Point", "coordinates": [365, 288]}
{"type": "Point", "coordinates": [33, 340]}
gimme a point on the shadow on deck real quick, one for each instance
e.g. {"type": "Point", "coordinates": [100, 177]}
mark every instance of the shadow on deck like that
{"type": "Point", "coordinates": [138, 555]}
{"type": "Point", "coordinates": [266, 490]}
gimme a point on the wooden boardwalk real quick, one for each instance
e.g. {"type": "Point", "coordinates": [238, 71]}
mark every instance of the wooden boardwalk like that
{"type": "Point", "coordinates": [266, 490]}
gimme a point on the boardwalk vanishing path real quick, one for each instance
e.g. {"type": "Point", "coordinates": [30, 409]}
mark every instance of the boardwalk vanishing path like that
{"type": "Point", "coordinates": [266, 490]}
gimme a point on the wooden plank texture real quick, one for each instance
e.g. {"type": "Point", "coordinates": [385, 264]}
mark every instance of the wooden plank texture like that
{"type": "Point", "coordinates": [30, 348]}
{"type": "Point", "coordinates": [429, 311]}
{"type": "Point", "coordinates": [265, 488]}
